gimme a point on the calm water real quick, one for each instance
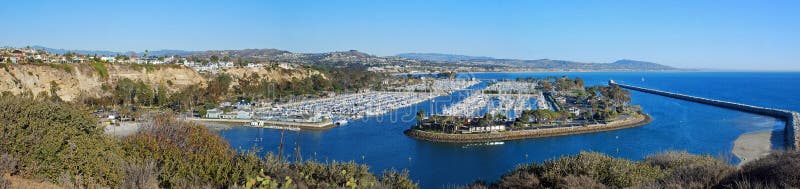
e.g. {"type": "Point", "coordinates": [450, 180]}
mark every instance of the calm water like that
{"type": "Point", "coordinates": [678, 125]}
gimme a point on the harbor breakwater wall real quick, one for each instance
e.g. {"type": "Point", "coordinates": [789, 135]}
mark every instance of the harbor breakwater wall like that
{"type": "Point", "coordinates": [791, 118]}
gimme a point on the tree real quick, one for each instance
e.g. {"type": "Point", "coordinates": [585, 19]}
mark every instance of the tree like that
{"type": "Point", "coordinates": [420, 115]}
{"type": "Point", "coordinates": [161, 95]}
{"type": "Point", "coordinates": [545, 85]}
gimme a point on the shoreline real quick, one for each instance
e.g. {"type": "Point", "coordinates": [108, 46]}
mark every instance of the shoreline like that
{"type": "Point", "coordinates": [246, 123]}
{"type": "Point", "coordinates": [751, 146]}
{"type": "Point", "coordinates": [639, 120]}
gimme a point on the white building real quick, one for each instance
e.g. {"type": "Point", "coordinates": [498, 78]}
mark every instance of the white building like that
{"type": "Point", "coordinates": [243, 114]}
{"type": "Point", "coordinates": [108, 58]}
{"type": "Point", "coordinates": [213, 113]}
{"type": "Point", "coordinates": [574, 110]}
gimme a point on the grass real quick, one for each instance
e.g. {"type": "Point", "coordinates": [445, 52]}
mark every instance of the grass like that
{"type": "Point", "coordinates": [100, 68]}
{"type": "Point", "coordinates": [66, 67]}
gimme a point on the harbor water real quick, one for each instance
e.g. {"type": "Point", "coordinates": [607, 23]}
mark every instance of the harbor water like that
{"type": "Point", "coordinates": [379, 141]}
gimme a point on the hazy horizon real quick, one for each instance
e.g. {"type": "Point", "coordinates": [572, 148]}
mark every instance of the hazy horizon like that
{"type": "Point", "coordinates": [736, 35]}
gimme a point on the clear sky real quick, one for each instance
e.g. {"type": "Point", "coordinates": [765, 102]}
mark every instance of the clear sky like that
{"type": "Point", "coordinates": [747, 35]}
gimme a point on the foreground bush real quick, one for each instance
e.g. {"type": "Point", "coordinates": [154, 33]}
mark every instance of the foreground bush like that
{"type": "Point", "coordinates": [777, 170]}
{"type": "Point", "coordinates": [59, 143]}
{"type": "Point", "coordinates": [582, 170]}
{"type": "Point", "coordinates": [665, 170]}
{"type": "Point", "coordinates": [689, 171]}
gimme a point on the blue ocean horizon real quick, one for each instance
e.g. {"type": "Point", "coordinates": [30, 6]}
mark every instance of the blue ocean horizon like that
{"type": "Point", "coordinates": [677, 125]}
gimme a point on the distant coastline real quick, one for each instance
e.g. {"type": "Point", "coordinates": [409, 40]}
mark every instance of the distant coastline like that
{"type": "Point", "coordinates": [567, 71]}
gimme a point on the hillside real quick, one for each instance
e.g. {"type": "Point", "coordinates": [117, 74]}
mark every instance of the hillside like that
{"type": "Point", "coordinates": [69, 81]}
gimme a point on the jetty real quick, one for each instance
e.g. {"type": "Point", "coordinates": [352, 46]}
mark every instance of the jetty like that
{"type": "Point", "coordinates": [791, 118]}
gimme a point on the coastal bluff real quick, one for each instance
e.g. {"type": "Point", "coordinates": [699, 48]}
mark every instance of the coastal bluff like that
{"type": "Point", "coordinates": [791, 118]}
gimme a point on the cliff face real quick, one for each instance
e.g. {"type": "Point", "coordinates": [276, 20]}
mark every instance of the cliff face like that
{"type": "Point", "coordinates": [273, 74]}
{"type": "Point", "coordinates": [72, 80]}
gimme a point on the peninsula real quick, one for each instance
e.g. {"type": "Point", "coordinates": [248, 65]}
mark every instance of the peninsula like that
{"type": "Point", "coordinates": [530, 108]}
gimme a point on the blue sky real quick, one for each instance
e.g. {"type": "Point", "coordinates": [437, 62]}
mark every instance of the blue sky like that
{"type": "Point", "coordinates": [746, 35]}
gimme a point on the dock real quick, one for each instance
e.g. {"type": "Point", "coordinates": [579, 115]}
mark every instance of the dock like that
{"type": "Point", "coordinates": [791, 118]}
{"type": "Point", "coordinates": [272, 124]}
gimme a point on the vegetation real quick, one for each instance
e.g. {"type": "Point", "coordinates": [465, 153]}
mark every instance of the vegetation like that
{"type": "Point", "coordinates": [66, 67]}
{"type": "Point", "coordinates": [664, 170]}
{"type": "Point", "coordinates": [541, 116]}
{"type": "Point", "coordinates": [5, 66]}
{"type": "Point", "coordinates": [60, 143]}
{"type": "Point", "coordinates": [100, 68]}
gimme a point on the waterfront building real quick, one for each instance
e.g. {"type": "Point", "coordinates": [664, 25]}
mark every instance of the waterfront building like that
{"type": "Point", "coordinates": [242, 114]}
{"type": "Point", "coordinates": [213, 113]}
{"type": "Point", "coordinates": [228, 116]}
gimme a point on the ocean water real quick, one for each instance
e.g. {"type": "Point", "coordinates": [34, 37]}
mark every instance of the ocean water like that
{"type": "Point", "coordinates": [677, 125]}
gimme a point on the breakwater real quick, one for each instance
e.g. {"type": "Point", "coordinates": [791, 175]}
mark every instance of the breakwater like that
{"type": "Point", "coordinates": [633, 121]}
{"type": "Point", "coordinates": [791, 118]}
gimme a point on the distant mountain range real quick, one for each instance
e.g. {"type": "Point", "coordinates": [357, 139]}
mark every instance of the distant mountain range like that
{"type": "Point", "coordinates": [438, 57]}
{"type": "Point", "coordinates": [361, 58]}
{"type": "Point", "coordinates": [623, 64]}
{"type": "Point", "coordinates": [113, 53]}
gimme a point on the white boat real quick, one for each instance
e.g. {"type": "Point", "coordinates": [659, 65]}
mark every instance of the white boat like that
{"type": "Point", "coordinates": [256, 123]}
{"type": "Point", "coordinates": [340, 122]}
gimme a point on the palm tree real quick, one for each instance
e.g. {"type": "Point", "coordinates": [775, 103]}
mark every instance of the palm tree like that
{"type": "Point", "coordinates": [457, 125]}
{"type": "Point", "coordinates": [420, 115]}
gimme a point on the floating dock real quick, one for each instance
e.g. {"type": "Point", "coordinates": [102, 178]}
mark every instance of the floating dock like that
{"type": "Point", "coordinates": [791, 118]}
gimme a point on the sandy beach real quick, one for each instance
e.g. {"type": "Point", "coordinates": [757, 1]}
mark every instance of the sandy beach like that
{"type": "Point", "coordinates": [751, 146]}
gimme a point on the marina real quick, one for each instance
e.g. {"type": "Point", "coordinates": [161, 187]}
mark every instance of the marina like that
{"type": "Point", "coordinates": [508, 98]}
{"type": "Point", "coordinates": [471, 106]}
{"type": "Point", "coordinates": [511, 105]}
{"type": "Point", "coordinates": [513, 87]}
{"type": "Point", "coordinates": [342, 108]}
{"type": "Point", "coordinates": [693, 127]}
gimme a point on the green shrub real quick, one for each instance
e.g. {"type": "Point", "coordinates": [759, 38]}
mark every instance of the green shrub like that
{"type": "Point", "coordinates": [397, 179]}
{"type": "Point", "coordinates": [610, 171]}
{"type": "Point", "coordinates": [187, 153]}
{"type": "Point", "coordinates": [689, 171]}
{"type": "Point", "coordinates": [100, 68]}
{"type": "Point", "coordinates": [66, 67]}
{"type": "Point", "coordinates": [777, 170]}
{"type": "Point", "coordinates": [52, 139]}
